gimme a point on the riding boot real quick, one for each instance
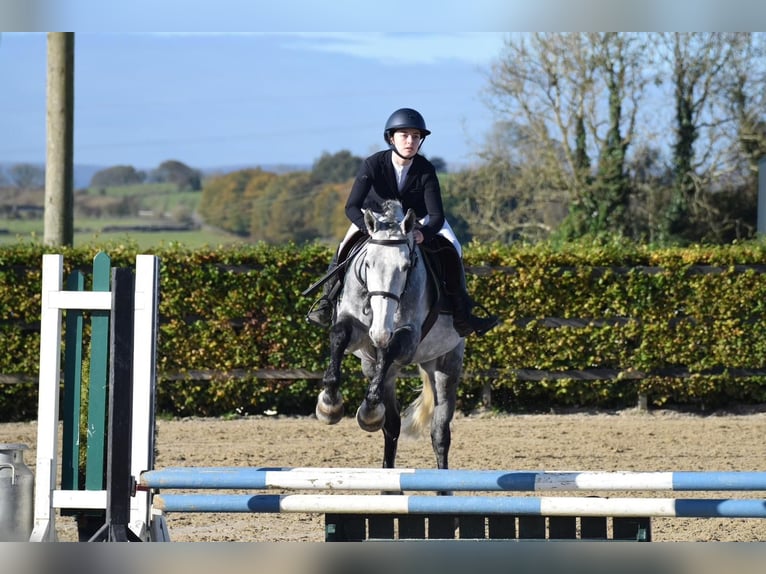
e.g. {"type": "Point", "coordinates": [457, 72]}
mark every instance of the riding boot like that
{"type": "Point", "coordinates": [321, 313]}
{"type": "Point", "coordinates": [463, 319]}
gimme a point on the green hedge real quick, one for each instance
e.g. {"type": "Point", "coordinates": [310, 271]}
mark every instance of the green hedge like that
{"type": "Point", "coordinates": [685, 327]}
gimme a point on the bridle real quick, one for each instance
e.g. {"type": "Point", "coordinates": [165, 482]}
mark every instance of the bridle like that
{"type": "Point", "coordinates": [413, 257]}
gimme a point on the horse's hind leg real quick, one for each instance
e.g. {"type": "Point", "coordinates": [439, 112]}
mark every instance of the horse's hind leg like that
{"type": "Point", "coordinates": [329, 408]}
{"type": "Point", "coordinates": [445, 374]}
{"type": "Point", "coordinates": [393, 423]}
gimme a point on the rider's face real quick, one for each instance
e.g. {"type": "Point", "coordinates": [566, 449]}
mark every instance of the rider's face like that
{"type": "Point", "coordinates": [407, 141]}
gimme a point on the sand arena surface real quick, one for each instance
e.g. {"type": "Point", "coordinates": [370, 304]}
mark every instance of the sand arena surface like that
{"type": "Point", "coordinates": [624, 440]}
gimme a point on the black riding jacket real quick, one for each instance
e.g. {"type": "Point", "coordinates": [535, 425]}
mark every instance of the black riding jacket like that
{"type": "Point", "coordinates": [376, 183]}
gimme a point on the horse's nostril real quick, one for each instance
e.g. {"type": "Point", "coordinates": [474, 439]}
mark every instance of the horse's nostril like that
{"type": "Point", "coordinates": [380, 339]}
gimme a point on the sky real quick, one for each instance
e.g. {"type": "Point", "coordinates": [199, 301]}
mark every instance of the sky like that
{"type": "Point", "coordinates": [190, 81]}
{"type": "Point", "coordinates": [229, 99]}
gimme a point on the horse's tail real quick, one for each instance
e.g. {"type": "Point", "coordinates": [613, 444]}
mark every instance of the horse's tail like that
{"type": "Point", "coordinates": [416, 418]}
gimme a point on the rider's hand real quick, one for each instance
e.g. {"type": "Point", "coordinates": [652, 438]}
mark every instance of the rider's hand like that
{"type": "Point", "coordinates": [418, 235]}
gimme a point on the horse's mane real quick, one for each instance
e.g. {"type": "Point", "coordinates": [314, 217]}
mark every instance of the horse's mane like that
{"type": "Point", "coordinates": [392, 211]}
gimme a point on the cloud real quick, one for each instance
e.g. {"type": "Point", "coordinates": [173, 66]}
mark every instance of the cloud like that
{"type": "Point", "coordinates": [390, 48]}
{"type": "Point", "coordinates": [403, 48]}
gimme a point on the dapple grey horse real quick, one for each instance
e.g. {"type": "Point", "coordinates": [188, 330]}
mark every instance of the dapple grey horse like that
{"type": "Point", "coordinates": [380, 318]}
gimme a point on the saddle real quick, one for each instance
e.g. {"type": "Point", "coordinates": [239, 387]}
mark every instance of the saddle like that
{"type": "Point", "coordinates": [435, 263]}
{"type": "Point", "coordinates": [435, 268]}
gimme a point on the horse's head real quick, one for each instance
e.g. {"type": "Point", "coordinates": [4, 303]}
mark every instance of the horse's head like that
{"type": "Point", "coordinates": [390, 256]}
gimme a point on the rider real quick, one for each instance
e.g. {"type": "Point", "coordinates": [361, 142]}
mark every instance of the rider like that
{"type": "Point", "coordinates": [401, 173]}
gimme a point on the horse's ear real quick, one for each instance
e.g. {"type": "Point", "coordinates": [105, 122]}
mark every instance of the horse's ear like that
{"type": "Point", "coordinates": [409, 221]}
{"type": "Point", "coordinates": [369, 221]}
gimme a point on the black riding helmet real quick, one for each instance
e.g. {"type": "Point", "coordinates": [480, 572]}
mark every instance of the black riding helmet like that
{"type": "Point", "coordinates": [404, 118]}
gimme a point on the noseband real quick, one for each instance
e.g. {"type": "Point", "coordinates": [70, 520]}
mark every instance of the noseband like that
{"type": "Point", "coordinates": [388, 294]}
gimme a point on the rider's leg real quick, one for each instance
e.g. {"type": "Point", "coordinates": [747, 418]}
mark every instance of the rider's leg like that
{"type": "Point", "coordinates": [464, 320]}
{"type": "Point", "coordinates": [321, 313]}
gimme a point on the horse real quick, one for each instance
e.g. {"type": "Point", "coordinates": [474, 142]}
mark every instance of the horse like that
{"type": "Point", "coordinates": [385, 317]}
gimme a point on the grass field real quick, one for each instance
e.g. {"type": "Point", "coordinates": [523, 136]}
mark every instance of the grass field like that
{"type": "Point", "coordinates": [150, 198]}
{"type": "Point", "coordinates": [87, 232]}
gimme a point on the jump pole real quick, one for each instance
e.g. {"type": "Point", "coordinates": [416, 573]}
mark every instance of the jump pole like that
{"type": "Point", "coordinates": [307, 478]}
{"type": "Point", "coordinates": [485, 505]}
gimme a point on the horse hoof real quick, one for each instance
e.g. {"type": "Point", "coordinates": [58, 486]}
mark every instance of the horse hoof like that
{"type": "Point", "coordinates": [327, 411]}
{"type": "Point", "coordinates": [371, 421]}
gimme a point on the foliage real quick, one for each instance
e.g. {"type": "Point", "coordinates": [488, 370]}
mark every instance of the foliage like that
{"type": "Point", "coordinates": [575, 121]}
{"type": "Point", "coordinates": [285, 210]}
{"type": "Point", "coordinates": [117, 175]}
{"type": "Point", "coordinates": [296, 206]}
{"type": "Point", "coordinates": [336, 168]}
{"type": "Point", "coordinates": [684, 326]}
{"type": "Point", "coordinates": [229, 200]}
{"type": "Point", "coordinates": [177, 173]}
{"type": "Point", "coordinates": [26, 175]}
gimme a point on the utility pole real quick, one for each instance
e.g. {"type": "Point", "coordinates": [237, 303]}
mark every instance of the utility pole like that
{"type": "Point", "coordinates": [59, 162]}
{"type": "Point", "coordinates": [761, 222]}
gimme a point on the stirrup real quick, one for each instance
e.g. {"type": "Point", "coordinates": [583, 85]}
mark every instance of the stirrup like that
{"type": "Point", "coordinates": [320, 313]}
{"type": "Point", "coordinates": [483, 309]}
{"type": "Point", "coordinates": [490, 322]}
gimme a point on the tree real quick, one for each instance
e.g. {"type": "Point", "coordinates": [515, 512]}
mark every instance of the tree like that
{"type": "Point", "coordinates": [618, 59]}
{"type": "Point", "coordinates": [651, 182]}
{"type": "Point", "coordinates": [183, 176]}
{"type": "Point", "coordinates": [117, 175]}
{"type": "Point", "coordinates": [285, 211]}
{"type": "Point", "coordinates": [716, 104]}
{"type": "Point", "coordinates": [329, 214]}
{"type": "Point", "coordinates": [228, 201]}
{"type": "Point", "coordinates": [439, 164]}
{"type": "Point", "coordinates": [582, 102]}
{"type": "Point", "coordinates": [575, 96]}
{"type": "Point", "coordinates": [503, 199]}
{"type": "Point", "coordinates": [747, 100]}
{"type": "Point", "coordinates": [336, 168]}
{"type": "Point", "coordinates": [27, 176]}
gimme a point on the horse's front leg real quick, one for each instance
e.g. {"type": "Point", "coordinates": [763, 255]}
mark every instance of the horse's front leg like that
{"type": "Point", "coordinates": [329, 407]}
{"type": "Point", "coordinates": [371, 414]}
{"type": "Point", "coordinates": [380, 408]}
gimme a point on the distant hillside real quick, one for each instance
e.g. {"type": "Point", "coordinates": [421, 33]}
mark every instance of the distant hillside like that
{"type": "Point", "coordinates": [274, 168]}
{"type": "Point", "coordinates": [84, 173]}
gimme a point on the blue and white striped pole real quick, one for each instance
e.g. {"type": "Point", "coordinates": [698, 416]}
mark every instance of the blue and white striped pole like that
{"type": "Point", "coordinates": [483, 505]}
{"type": "Point", "coordinates": [447, 480]}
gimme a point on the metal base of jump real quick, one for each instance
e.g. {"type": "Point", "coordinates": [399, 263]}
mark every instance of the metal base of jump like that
{"type": "Point", "coordinates": [366, 527]}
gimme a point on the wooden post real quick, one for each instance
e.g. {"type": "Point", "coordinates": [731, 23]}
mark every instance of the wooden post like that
{"type": "Point", "coordinates": [59, 164]}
